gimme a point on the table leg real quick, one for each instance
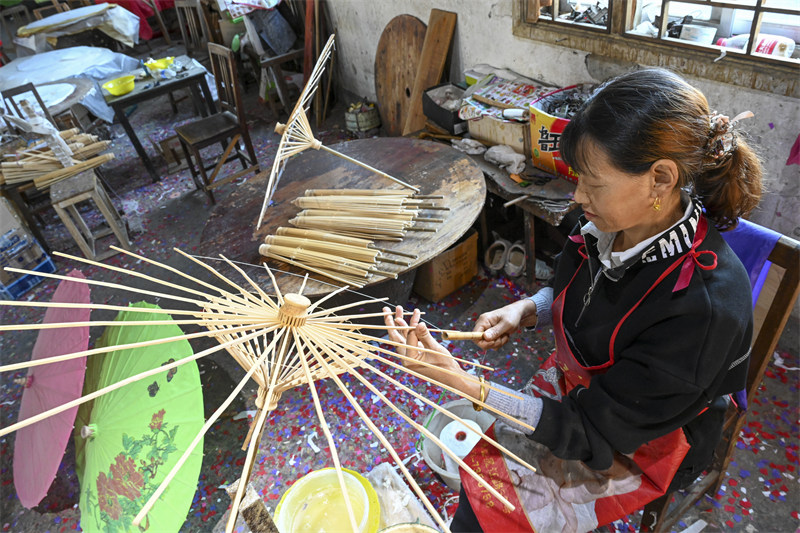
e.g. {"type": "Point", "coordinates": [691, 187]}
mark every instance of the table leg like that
{"type": "Point", "coordinates": [148, 164]}
{"type": "Point", "coordinates": [530, 250]}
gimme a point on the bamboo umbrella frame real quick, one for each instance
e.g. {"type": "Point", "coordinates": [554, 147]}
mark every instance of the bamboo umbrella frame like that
{"type": "Point", "coordinates": [282, 341]}
{"type": "Point", "coordinates": [297, 134]}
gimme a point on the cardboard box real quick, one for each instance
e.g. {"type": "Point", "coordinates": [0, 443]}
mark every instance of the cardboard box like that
{"type": "Point", "coordinates": [517, 135]}
{"type": "Point", "coordinates": [545, 134]}
{"type": "Point", "coordinates": [445, 118]}
{"type": "Point", "coordinates": [450, 270]}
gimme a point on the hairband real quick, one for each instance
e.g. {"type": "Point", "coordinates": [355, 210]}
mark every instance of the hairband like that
{"type": "Point", "coordinates": [721, 140]}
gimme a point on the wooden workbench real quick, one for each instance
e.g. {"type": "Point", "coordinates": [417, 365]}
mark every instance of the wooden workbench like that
{"type": "Point", "coordinates": [435, 168]}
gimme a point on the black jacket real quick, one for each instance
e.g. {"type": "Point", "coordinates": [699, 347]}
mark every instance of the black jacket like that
{"type": "Point", "coordinates": [676, 355]}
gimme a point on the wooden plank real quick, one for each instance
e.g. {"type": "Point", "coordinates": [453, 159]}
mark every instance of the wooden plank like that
{"type": "Point", "coordinates": [396, 65]}
{"type": "Point", "coordinates": [441, 26]}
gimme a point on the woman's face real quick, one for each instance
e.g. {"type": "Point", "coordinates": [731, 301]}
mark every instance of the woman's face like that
{"type": "Point", "coordinates": [614, 200]}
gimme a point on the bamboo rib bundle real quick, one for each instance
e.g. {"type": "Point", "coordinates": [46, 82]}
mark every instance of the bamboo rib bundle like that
{"type": "Point", "coordinates": [282, 341]}
{"type": "Point", "coordinates": [43, 168]}
{"type": "Point", "coordinates": [51, 177]}
{"type": "Point", "coordinates": [348, 264]}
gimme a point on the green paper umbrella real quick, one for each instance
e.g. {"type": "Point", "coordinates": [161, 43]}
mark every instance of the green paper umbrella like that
{"type": "Point", "coordinates": [129, 439]}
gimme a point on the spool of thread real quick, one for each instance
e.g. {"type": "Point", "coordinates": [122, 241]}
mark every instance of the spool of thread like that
{"type": "Point", "coordinates": [460, 440]}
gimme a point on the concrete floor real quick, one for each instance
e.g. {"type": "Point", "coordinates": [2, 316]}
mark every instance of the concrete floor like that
{"type": "Point", "coordinates": [760, 494]}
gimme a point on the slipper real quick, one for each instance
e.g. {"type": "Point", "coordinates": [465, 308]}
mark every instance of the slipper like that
{"type": "Point", "coordinates": [515, 264]}
{"type": "Point", "coordinates": [543, 272]}
{"type": "Point", "coordinates": [496, 255]}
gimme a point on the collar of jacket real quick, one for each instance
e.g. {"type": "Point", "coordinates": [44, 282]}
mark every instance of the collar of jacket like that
{"type": "Point", "coordinates": [671, 244]}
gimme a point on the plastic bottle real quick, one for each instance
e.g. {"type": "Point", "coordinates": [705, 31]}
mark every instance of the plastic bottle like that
{"type": "Point", "coordinates": [776, 45]}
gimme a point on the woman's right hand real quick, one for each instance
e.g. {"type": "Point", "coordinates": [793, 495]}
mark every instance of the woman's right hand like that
{"type": "Point", "coordinates": [498, 325]}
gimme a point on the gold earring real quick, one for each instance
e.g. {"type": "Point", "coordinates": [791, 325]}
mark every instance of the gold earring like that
{"type": "Point", "coordinates": [657, 204]}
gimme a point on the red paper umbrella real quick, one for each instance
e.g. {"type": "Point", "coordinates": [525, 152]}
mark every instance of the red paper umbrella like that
{"type": "Point", "coordinates": [40, 447]}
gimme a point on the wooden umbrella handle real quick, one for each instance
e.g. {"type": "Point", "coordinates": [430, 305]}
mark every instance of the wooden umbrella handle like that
{"type": "Point", "coordinates": [450, 335]}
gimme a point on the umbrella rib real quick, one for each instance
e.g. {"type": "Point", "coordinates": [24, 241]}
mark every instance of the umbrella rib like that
{"type": "Point", "coordinates": [108, 307]}
{"type": "Point", "coordinates": [349, 340]}
{"type": "Point", "coordinates": [230, 282]}
{"type": "Point", "coordinates": [176, 271]}
{"type": "Point", "coordinates": [278, 292]}
{"type": "Point", "coordinates": [105, 390]}
{"type": "Point", "coordinates": [444, 411]}
{"type": "Point", "coordinates": [251, 451]}
{"type": "Point", "coordinates": [256, 428]}
{"type": "Point", "coordinates": [110, 285]}
{"type": "Point", "coordinates": [93, 351]}
{"type": "Point", "coordinates": [332, 310]}
{"type": "Point", "coordinates": [382, 438]}
{"type": "Point", "coordinates": [327, 431]}
{"type": "Point", "coordinates": [210, 422]}
{"type": "Point", "coordinates": [266, 297]}
{"type": "Point", "coordinates": [430, 435]}
{"type": "Point", "coordinates": [134, 273]}
{"type": "Point", "coordinates": [57, 325]}
{"type": "Point", "coordinates": [360, 336]}
{"type": "Point", "coordinates": [324, 299]}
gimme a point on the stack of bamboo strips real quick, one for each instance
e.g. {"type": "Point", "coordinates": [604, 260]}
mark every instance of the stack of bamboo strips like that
{"type": "Point", "coordinates": [40, 165]}
{"type": "Point", "coordinates": [334, 234]}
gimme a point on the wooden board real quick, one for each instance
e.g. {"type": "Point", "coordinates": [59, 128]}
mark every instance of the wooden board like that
{"type": "Point", "coordinates": [441, 26]}
{"type": "Point", "coordinates": [396, 64]}
{"type": "Point", "coordinates": [434, 167]}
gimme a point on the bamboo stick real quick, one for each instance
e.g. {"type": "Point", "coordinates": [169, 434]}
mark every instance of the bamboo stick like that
{"type": "Point", "coordinates": [94, 351]}
{"type": "Point", "coordinates": [105, 390]}
{"type": "Point", "coordinates": [327, 431]}
{"type": "Point", "coordinates": [422, 429]}
{"type": "Point", "coordinates": [203, 430]}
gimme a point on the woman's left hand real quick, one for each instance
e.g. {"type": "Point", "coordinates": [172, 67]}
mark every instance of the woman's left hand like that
{"type": "Point", "coordinates": [440, 365]}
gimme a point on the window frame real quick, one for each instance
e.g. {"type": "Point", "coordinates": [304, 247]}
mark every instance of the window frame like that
{"type": "Point", "coordinates": [752, 71]}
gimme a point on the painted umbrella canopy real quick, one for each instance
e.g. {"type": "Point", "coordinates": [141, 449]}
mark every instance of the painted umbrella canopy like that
{"type": "Point", "coordinates": [129, 439]}
{"type": "Point", "coordinates": [40, 446]}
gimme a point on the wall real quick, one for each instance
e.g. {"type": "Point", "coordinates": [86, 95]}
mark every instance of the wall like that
{"type": "Point", "coordinates": [484, 35]}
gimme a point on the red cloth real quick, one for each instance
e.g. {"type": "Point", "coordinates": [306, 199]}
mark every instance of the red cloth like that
{"type": "Point", "coordinates": [141, 9]}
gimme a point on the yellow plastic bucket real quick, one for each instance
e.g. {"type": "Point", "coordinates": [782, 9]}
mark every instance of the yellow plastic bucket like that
{"type": "Point", "coordinates": [316, 503]}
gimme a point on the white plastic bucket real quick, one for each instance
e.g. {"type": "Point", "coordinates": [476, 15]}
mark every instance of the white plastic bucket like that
{"type": "Point", "coordinates": [432, 453]}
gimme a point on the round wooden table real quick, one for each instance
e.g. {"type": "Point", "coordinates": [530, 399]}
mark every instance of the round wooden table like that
{"type": "Point", "coordinates": [435, 168]}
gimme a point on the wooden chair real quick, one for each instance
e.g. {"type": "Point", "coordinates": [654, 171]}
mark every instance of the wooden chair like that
{"type": "Point", "coordinates": [771, 310]}
{"type": "Point", "coordinates": [12, 18]}
{"type": "Point", "coordinates": [193, 25]}
{"type": "Point", "coordinates": [227, 125]}
{"type": "Point", "coordinates": [9, 95]}
{"type": "Point", "coordinates": [46, 11]}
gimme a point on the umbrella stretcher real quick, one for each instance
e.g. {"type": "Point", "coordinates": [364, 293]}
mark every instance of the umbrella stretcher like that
{"type": "Point", "coordinates": [281, 340]}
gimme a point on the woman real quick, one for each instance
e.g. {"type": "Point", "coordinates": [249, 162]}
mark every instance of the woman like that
{"type": "Point", "coordinates": [651, 314]}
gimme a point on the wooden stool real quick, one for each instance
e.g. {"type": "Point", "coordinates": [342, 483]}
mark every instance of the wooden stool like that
{"type": "Point", "coordinates": [66, 194]}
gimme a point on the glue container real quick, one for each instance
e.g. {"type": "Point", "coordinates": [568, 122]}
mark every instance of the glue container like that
{"type": "Point", "coordinates": [775, 45]}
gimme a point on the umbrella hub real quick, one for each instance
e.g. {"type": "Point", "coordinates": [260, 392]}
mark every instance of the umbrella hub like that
{"type": "Point", "coordinates": [293, 312]}
{"type": "Point", "coordinates": [89, 432]}
{"type": "Point", "coordinates": [27, 381]}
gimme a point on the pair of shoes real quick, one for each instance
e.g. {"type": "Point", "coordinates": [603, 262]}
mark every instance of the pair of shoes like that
{"type": "Point", "coordinates": [515, 263]}
{"type": "Point", "coordinates": [497, 254]}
